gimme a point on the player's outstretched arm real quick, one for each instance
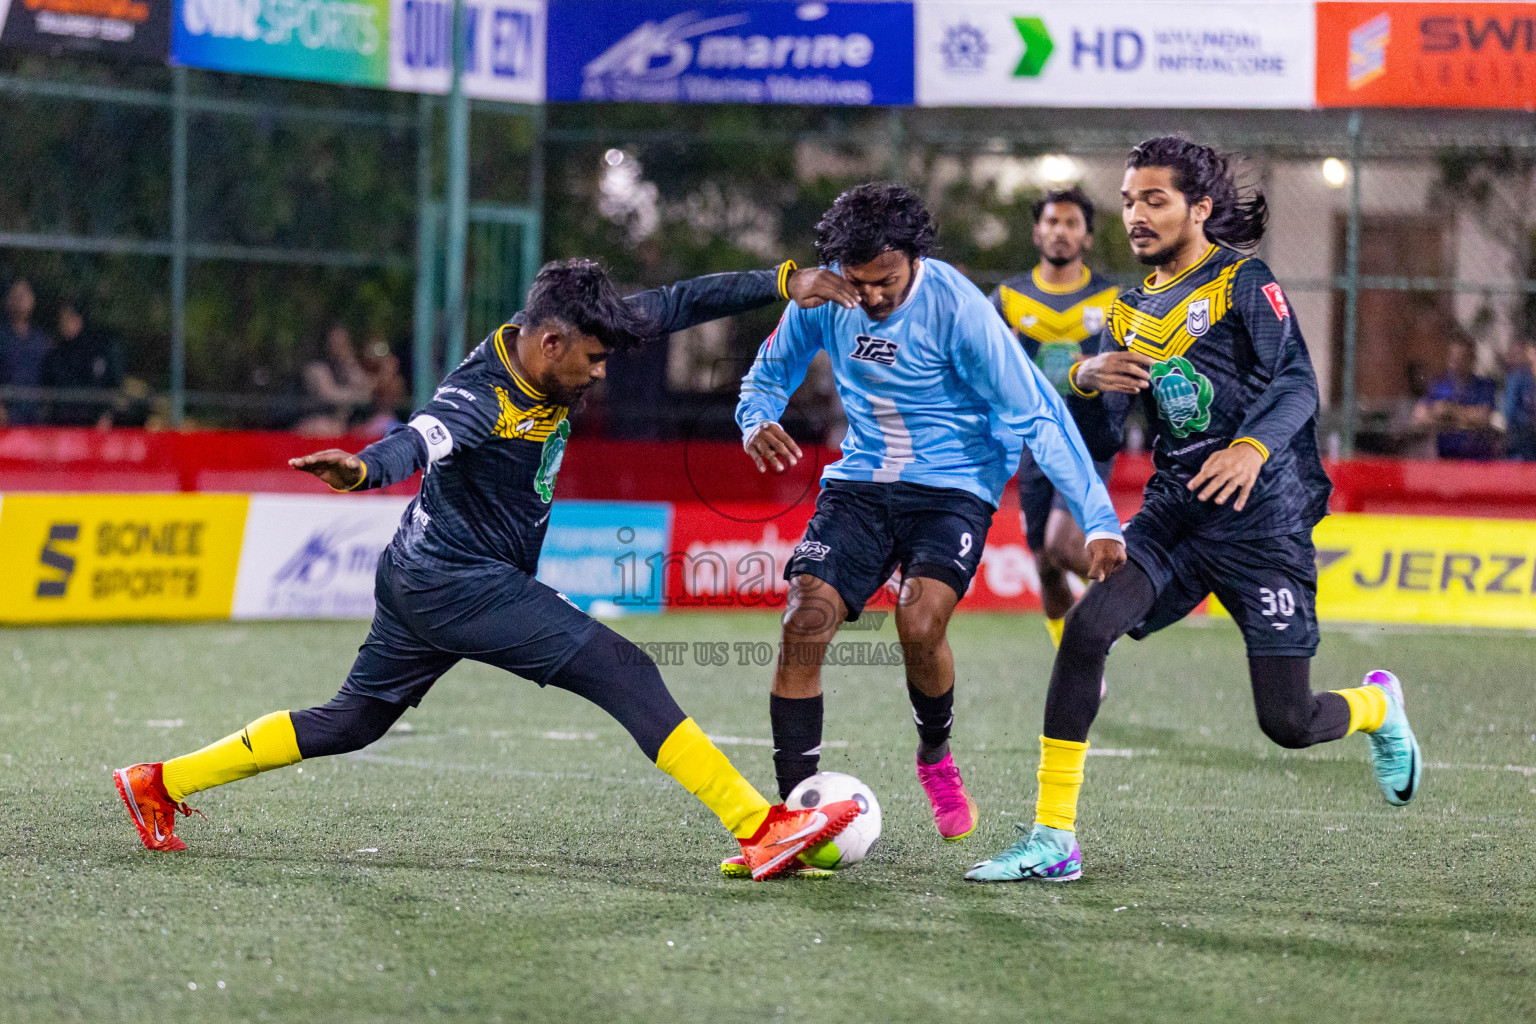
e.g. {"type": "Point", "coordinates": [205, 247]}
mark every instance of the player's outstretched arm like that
{"type": "Point", "coordinates": [698, 300]}
{"type": "Point", "coordinates": [774, 375]}
{"type": "Point", "coordinates": [995, 366]}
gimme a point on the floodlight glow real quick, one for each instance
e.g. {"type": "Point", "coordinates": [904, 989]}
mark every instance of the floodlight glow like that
{"type": "Point", "coordinates": [1056, 169]}
{"type": "Point", "coordinates": [1335, 172]}
{"type": "Point", "coordinates": [613, 157]}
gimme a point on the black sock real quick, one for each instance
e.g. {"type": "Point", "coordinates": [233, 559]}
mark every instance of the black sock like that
{"type": "Point", "coordinates": [796, 739]}
{"type": "Point", "coordinates": [934, 716]}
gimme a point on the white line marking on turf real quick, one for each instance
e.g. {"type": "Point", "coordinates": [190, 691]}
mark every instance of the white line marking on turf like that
{"type": "Point", "coordinates": [521, 773]}
{"type": "Point", "coordinates": [164, 723]}
{"type": "Point", "coordinates": [753, 741]}
{"type": "Point", "coordinates": [1121, 752]}
{"type": "Point", "coordinates": [570, 735]}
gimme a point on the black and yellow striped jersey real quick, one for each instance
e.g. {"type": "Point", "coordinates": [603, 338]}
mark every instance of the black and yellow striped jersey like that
{"type": "Point", "coordinates": [1230, 368]}
{"type": "Point", "coordinates": [1057, 324]}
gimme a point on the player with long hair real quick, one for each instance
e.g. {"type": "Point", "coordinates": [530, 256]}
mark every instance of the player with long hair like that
{"type": "Point", "coordinates": [1210, 347]}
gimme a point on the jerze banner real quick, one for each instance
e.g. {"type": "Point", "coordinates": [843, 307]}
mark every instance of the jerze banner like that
{"type": "Point", "coordinates": [1426, 55]}
{"type": "Point", "coordinates": [1115, 54]}
{"type": "Point", "coordinates": [140, 29]}
{"type": "Point", "coordinates": [658, 51]}
{"type": "Point", "coordinates": [504, 51]}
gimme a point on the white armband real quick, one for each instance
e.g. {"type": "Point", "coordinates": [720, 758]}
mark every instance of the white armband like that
{"type": "Point", "coordinates": [435, 434]}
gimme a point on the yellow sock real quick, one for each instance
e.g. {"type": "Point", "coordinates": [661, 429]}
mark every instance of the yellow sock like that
{"type": "Point", "coordinates": [1054, 627]}
{"type": "Point", "coordinates": [1061, 777]}
{"type": "Point", "coordinates": [265, 744]}
{"type": "Point", "coordinates": [1367, 707]}
{"type": "Point", "coordinates": [697, 764]}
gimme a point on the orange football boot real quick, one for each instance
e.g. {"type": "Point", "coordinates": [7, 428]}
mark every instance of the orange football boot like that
{"type": "Point", "coordinates": [785, 834]}
{"type": "Point", "coordinates": [150, 806]}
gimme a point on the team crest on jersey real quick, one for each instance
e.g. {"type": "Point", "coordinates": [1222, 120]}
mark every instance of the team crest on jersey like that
{"type": "Point", "coordinates": [1183, 396]}
{"type": "Point", "coordinates": [875, 350]}
{"type": "Point", "coordinates": [1197, 317]}
{"type": "Point", "coordinates": [1093, 319]}
{"type": "Point", "coordinates": [550, 459]}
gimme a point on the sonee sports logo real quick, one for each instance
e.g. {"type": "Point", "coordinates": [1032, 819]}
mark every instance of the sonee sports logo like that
{"type": "Point", "coordinates": [875, 350]}
{"type": "Point", "coordinates": [1276, 299]}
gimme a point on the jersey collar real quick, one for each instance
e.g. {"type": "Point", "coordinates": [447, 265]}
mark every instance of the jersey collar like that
{"type": "Point", "coordinates": [1151, 288]}
{"type": "Point", "coordinates": [1057, 289]}
{"type": "Point", "coordinates": [917, 282]}
{"type": "Point", "coordinates": [517, 378]}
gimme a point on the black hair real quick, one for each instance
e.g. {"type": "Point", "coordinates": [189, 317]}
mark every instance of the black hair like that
{"type": "Point", "coordinates": [1238, 215]}
{"type": "Point", "coordinates": [579, 294]}
{"type": "Point", "coordinates": [1074, 195]}
{"type": "Point", "coordinates": [870, 219]}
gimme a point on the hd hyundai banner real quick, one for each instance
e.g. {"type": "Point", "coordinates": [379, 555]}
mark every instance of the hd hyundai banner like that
{"type": "Point", "coordinates": [140, 29]}
{"type": "Point", "coordinates": [1115, 54]}
{"type": "Point", "coordinates": [661, 51]}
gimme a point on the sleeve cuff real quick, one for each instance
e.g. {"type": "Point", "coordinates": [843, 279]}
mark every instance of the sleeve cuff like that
{"type": "Point", "coordinates": [785, 269]}
{"type": "Point", "coordinates": [360, 481]}
{"type": "Point", "coordinates": [750, 434]}
{"type": "Point", "coordinates": [1104, 535]}
{"type": "Point", "coordinates": [1253, 441]}
{"type": "Point", "coordinates": [1072, 380]}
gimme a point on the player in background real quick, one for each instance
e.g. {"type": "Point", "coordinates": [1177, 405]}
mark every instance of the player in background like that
{"type": "Point", "coordinates": [1211, 348]}
{"type": "Point", "coordinates": [940, 399]}
{"type": "Point", "coordinates": [457, 581]}
{"type": "Point", "coordinates": [1057, 310]}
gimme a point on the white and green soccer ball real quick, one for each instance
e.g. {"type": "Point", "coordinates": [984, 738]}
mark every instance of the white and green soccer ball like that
{"type": "Point", "coordinates": [852, 844]}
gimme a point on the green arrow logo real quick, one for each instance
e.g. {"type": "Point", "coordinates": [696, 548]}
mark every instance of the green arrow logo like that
{"type": "Point", "coordinates": [1037, 46]}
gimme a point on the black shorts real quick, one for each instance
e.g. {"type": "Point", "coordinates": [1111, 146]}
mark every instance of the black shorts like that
{"type": "Point", "coordinates": [862, 532]}
{"type": "Point", "coordinates": [1037, 496]}
{"type": "Point", "coordinates": [428, 617]}
{"type": "Point", "coordinates": [1269, 585]}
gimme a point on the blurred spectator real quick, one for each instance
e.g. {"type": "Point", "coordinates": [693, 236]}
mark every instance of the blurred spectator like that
{"type": "Point", "coordinates": [22, 347]}
{"type": "Point", "coordinates": [337, 383]}
{"type": "Point", "coordinates": [383, 369]}
{"type": "Point", "coordinates": [1459, 406]}
{"type": "Point", "coordinates": [1520, 405]}
{"type": "Point", "coordinates": [82, 358]}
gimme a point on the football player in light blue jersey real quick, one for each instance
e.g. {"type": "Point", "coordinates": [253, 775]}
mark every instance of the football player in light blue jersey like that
{"type": "Point", "coordinates": [940, 400]}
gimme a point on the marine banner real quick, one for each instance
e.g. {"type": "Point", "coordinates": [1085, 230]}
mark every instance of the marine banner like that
{"type": "Point", "coordinates": [1115, 54]}
{"type": "Point", "coordinates": [1426, 55]}
{"type": "Point", "coordinates": [731, 51]}
{"type": "Point", "coordinates": [78, 558]}
{"type": "Point", "coordinates": [313, 557]}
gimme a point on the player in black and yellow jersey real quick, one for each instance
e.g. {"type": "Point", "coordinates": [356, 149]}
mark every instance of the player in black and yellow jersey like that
{"type": "Point", "coordinates": [457, 581]}
{"type": "Point", "coordinates": [1211, 348]}
{"type": "Point", "coordinates": [1057, 310]}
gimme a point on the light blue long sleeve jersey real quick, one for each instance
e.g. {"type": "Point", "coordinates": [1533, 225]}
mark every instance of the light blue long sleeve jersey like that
{"type": "Point", "coordinates": [939, 393]}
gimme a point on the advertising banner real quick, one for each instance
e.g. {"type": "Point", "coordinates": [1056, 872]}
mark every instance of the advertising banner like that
{"type": "Point", "coordinates": [342, 41]}
{"type": "Point", "coordinates": [1115, 54]}
{"type": "Point", "coordinates": [1422, 569]}
{"type": "Point", "coordinates": [78, 558]}
{"type": "Point", "coordinates": [312, 557]}
{"type": "Point", "coordinates": [1426, 55]}
{"type": "Point", "coordinates": [600, 554]}
{"type": "Point", "coordinates": [140, 29]}
{"type": "Point", "coordinates": [504, 57]}
{"type": "Point", "coordinates": [760, 51]}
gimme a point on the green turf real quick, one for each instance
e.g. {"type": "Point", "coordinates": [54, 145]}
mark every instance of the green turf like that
{"type": "Point", "coordinates": [479, 868]}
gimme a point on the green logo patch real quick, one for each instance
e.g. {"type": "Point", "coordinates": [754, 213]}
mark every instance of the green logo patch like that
{"type": "Point", "coordinates": [1183, 396]}
{"type": "Point", "coordinates": [1037, 47]}
{"type": "Point", "coordinates": [550, 459]}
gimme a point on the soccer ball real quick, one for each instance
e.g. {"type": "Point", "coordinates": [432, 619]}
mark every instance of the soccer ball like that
{"type": "Point", "coordinates": [852, 844]}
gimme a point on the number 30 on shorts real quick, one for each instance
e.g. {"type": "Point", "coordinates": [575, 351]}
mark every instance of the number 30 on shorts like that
{"type": "Point", "coordinates": [1277, 602]}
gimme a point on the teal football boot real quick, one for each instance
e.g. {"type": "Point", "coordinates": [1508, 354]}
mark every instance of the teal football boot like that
{"type": "Point", "coordinates": [1044, 853]}
{"type": "Point", "coordinates": [1395, 756]}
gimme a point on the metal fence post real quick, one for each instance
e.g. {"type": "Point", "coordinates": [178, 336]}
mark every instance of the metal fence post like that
{"type": "Point", "coordinates": [455, 313]}
{"type": "Point", "coordinates": [179, 247]}
{"type": "Point", "coordinates": [533, 232]}
{"type": "Point", "coordinates": [424, 373]}
{"type": "Point", "coordinates": [895, 134]}
{"type": "Point", "coordinates": [1351, 290]}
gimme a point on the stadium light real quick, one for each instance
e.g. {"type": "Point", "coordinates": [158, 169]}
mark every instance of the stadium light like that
{"type": "Point", "coordinates": [1056, 169]}
{"type": "Point", "coordinates": [613, 157]}
{"type": "Point", "coordinates": [1335, 172]}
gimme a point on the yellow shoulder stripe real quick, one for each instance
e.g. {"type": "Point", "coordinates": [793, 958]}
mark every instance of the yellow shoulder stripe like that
{"type": "Point", "coordinates": [1034, 318]}
{"type": "Point", "coordinates": [1166, 336]}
